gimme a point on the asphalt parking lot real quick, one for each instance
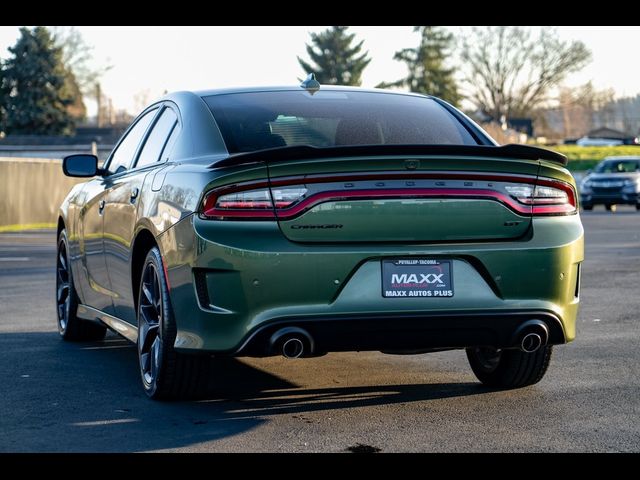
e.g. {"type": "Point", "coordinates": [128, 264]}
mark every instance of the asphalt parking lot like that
{"type": "Point", "coordinates": [61, 397]}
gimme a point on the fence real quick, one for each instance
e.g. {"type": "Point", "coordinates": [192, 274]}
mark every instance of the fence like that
{"type": "Point", "coordinates": [31, 190]}
{"type": "Point", "coordinates": [53, 151]}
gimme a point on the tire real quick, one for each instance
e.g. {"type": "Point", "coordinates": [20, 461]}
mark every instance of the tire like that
{"type": "Point", "coordinates": [165, 373]}
{"type": "Point", "coordinates": [587, 207]}
{"type": "Point", "coordinates": [70, 326]}
{"type": "Point", "coordinates": [637, 206]}
{"type": "Point", "coordinates": [611, 208]}
{"type": "Point", "coordinates": [509, 368]}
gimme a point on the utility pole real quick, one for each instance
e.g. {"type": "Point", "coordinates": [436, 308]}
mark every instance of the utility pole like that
{"type": "Point", "coordinates": [99, 103]}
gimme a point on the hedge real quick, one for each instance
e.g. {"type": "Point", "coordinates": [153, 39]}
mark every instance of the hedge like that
{"type": "Point", "coordinates": [584, 158]}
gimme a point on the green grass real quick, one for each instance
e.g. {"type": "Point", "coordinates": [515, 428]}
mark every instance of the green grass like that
{"type": "Point", "coordinates": [26, 226]}
{"type": "Point", "coordinates": [585, 158]}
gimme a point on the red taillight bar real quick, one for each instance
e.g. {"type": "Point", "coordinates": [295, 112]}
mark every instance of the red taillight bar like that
{"type": "Point", "coordinates": [209, 209]}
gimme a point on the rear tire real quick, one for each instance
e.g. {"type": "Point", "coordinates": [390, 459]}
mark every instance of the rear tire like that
{"type": "Point", "coordinates": [587, 207]}
{"type": "Point", "coordinates": [166, 374]}
{"type": "Point", "coordinates": [509, 368]}
{"type": "Point", "coordinates": [71, 327]}
{"type": "Point", "coordinates": [637, 206]}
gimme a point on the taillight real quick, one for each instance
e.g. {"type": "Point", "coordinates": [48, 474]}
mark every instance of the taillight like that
{"type": "Point", "coordinates": [288, 198]}
{"type": "Point", "coordinates": [249, 204]}
{"type": "Point", "coordinates": [546, 198]}
{"type": "Point", "coordinates": [252, 200]}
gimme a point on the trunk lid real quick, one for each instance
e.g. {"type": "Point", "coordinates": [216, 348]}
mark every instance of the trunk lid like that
{"type": "Point", "coordinates": [403, 198]}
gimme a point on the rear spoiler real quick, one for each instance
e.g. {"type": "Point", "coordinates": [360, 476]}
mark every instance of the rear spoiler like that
{"type": "Point", "coordinates": [304, 152]}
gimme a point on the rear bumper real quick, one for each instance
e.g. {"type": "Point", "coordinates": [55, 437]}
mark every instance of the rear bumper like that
{"type": "Point", "coordinates": [403, 332]}
{"type": "Point", "coordinates": [233, 283]}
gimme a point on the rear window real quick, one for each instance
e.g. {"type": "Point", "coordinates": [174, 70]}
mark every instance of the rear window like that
{"type": "Point", "coordinates": [261, 120]}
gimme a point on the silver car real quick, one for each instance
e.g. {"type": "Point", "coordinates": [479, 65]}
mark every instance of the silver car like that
{"type": "Point", "coordinates": [614, 181]}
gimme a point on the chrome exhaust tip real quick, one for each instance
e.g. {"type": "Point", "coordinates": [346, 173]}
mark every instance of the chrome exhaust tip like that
{"type": "Point", "coordinates": [530, 336]}
{"type": "Point", "coordinates": [291, 342]}
{"type": "Point", "coordinates": [530, 342]}
{"type": "Point", "coordinates": [292, 348]}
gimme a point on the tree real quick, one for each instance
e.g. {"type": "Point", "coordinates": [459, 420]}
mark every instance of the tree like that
{"type": "Point", "coordinates": [335, 60]}
{"type": "Point", "coordinates": [77, 56]}
{"type": "Point", "coordinates": [428, 72]}
{"type": "Point", "coordinates": [37, 88]}
{"type": "Point", "coordinates": [579, 105]}
{"type": "Point", "coordinates": [510, 73]}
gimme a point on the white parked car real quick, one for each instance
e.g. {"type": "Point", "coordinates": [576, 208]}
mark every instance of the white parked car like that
{"type": "Point", "coordinates": [598, 142]}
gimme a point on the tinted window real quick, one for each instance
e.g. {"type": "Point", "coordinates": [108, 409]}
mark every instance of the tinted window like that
{"type": "Point", "coordinates": [123, 154]}
{"type": "Point", "coordinates": [166, 151]}
{"type": "Point", "coordinates": [618, 166]}
{"type": "Point", "coordinates": [157, 139]}
{"type": "Point", "coordinates": [260, 120]}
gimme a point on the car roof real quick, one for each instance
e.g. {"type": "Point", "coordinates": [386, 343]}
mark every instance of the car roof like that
{"type": "Point", "coordinates": [290, 88]}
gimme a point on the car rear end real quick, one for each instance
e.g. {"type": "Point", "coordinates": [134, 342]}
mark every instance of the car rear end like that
{"type": "Point", "coordinates": [391, 235]}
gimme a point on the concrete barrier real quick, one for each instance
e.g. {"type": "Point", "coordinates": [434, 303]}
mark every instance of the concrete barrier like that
{"type": "Point", "coordinates": [31, 190]}
{"type": "Point", "coordinates": [52, 151]}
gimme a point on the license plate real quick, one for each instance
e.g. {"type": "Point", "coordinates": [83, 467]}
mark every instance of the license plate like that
{"type": "Point", "coordinates": [417, 277]}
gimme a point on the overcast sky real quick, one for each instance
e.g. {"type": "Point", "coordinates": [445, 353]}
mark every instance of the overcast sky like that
{"type": "Point", "coordinates": [155, 59]}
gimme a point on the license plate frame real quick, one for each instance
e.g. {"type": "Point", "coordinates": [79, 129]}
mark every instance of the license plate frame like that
{"type": "Point", "coordinates": [417, 278]}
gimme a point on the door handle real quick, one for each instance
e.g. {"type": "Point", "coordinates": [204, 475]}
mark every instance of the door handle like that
{"type": "Point", "coordinates": [134, 193]}
{"type": "Point", "coordinates": [101, 206]}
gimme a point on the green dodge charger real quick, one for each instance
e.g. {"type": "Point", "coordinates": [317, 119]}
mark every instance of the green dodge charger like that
{"type": "Point", "coordinates": [304, 220]}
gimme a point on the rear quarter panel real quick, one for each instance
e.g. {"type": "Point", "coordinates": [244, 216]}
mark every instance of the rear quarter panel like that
{"type": "Point", "coordinates": [174, 192]}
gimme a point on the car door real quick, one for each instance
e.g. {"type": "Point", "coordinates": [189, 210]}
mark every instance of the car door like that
{"type": "Point", "coordinates": [121, 212]}
{"type": "Point", "coordinates": [93, 281]}
{"type": "Point", "coordinates": [96, 285]}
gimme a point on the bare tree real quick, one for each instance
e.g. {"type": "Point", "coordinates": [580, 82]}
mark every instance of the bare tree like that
{"type": "Point", "coordinates": [77, 56]}
{"type": "Point", "coordinates": [141, 99]}
{"type": "Point", "coordinates": [579, 105]}
{"type": "Point", "coordinates": [510, 73]}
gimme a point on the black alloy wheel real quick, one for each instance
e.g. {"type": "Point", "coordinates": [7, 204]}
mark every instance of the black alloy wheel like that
{"type": "Point", "coordinates": [165, 373]}
{"type": "Point", "coordinates": [63, 299]}
{"type": "Point", "coordinates": [149, 320]}
{"type": "Point", "coordinates": [70, 326]}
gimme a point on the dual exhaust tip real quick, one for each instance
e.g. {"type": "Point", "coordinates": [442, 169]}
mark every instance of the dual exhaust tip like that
{"type": "Point", "coordinates": [293, 347]}
{"type": "Point", "coordinates": [292, 342]}
{"type": "Point", "coordinates": [531, 336]}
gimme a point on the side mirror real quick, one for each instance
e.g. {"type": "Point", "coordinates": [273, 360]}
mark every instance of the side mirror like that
{"type": "Point", "coordinates": [589, 171]}
{"type": "Point", "coordinates": [80, 165]}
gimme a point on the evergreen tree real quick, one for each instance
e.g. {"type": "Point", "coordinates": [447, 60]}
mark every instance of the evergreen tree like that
{"type": "Point", "coordinates": [37, 86]}
{"type": "Point", "coordinates": [428, 72]}
{"type": "Point", "coordinates": [335, 60]}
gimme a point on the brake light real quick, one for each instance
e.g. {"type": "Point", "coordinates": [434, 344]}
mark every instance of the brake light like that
{"type": "Point", "coordinates": [289, 198]}
{"type": "Point", "coordinates": [547, 197]}
{"type": "Point", "coordinates": [252, 200]}
{"type": "Point", "coordinates": [250, 203]}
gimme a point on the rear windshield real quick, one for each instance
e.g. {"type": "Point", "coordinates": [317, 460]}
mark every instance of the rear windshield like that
{"type": "Point", "coordinates": [261, 120]}
{"type": "Point", "coordinates": [618, 166]}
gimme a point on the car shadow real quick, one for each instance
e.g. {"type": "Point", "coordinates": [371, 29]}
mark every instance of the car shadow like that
{"type": "Point", "coordinates": [87, 397]}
